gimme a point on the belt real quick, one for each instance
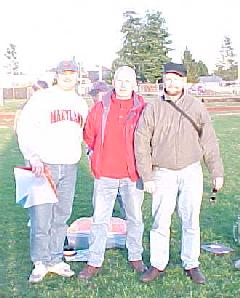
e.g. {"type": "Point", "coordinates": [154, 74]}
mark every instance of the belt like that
{"type": "Point", "coordinates": [157, 168]}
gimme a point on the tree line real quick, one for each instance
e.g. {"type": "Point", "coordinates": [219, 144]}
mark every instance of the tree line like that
{"type": "Point", "coordinates": [146, 45]}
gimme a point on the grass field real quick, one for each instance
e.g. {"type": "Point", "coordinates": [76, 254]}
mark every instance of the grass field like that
{"type": "Point", "coordinates": [116, 278]}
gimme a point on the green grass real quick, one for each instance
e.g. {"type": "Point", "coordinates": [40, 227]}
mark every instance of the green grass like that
{"type": "Point", "coordinates": [116, 278]}
{"type": "Point", "coordinates": [11, 105]}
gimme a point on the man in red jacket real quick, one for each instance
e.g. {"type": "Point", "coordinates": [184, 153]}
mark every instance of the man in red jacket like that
{"type": "Point", "coordinates": [109, 134]}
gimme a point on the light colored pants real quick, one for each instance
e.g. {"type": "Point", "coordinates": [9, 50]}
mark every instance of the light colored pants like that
{"type": "Point", "coordinates": [104, 196]}
{"type": "Point", "coordinates": [182, 188]}
{"type": "Point", "coordinates": [48, 221]}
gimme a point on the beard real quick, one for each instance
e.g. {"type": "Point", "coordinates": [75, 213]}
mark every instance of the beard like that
{"type": "Point", "coordinates": [174, 92]}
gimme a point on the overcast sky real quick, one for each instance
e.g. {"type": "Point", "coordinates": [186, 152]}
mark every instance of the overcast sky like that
{"type": "Point", "coordinates": [46, 31]}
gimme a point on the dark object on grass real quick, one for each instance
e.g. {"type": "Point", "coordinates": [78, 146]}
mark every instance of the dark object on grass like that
{"type": "Point", "coordinates": [216, 248]}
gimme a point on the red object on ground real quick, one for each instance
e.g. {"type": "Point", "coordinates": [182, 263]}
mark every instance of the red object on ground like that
{"type": "Point", "coordinates": [223, 108]}
{"type": "Point", "coordinates": [83, 225]}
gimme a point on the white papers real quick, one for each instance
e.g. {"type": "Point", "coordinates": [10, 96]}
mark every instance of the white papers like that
{"type": "Point", "coordinates": [32, 190]}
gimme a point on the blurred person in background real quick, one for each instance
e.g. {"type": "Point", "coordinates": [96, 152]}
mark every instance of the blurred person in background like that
{"type": "Point", "coordinates": [98, 90]}
{"type": "Point", "coordinates": [38, 85]}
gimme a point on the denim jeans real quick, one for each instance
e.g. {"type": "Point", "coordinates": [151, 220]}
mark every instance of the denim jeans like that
{"type": "Point", "coordinates": [182, 188]}
{"type": "Point", "coordinates": [48, 221]}
{"type": "Point", "coordinates": [104, 195]}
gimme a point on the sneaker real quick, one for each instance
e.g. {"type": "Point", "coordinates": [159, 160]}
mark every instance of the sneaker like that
{"type": "Point", "coordinates": [62, 269]}
{"type": "Point", "coordinates": [38, 273]}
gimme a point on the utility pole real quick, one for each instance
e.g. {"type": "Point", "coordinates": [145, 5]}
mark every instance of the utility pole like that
{"type": "Point", "coordinates": [1, 97]}
{"type": "Point", "coordinates": [239, 70]}
{"type": "Point", "coordinates": [100, 76]}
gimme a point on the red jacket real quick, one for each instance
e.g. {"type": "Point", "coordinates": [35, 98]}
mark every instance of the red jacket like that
{"type": "Point", "coordinates": [94, 131]}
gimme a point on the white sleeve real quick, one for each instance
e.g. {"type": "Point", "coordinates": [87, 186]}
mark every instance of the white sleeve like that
{"type": "Point", "coordinates": [29, 130]}
{"type": "Point", "coordinates": [85, 111]}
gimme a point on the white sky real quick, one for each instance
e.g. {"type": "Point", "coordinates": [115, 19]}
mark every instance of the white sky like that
{"type": "Point", "coordinates": [46, 31]}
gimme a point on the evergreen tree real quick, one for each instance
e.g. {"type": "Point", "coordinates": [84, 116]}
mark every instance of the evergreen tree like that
{"type": "Point", "coordinates": [128, 55]}
{"type": "Point", "coordinates": [145, 45]}
{"type": "Point", "coordinates": [155, 46]}
{"type": "Point", "coordinates": [202, 69]}
{"type": "Point", "coordinates": [227, 66]}
{"type": "Point", "coordinates": [194, 69]}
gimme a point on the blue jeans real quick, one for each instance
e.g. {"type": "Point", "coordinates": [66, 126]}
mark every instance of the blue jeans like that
{"type": "Point", "coordinates": [48, 221]}
{"type": "Point", "coordinates": [104, 196]}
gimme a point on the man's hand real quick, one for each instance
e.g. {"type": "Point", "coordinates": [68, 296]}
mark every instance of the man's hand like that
{"type": "Point", "coordinates": [218, 183]}
{"type": "Point", "coordinates": [37, 166]}
{"type": "Point", "coordinates": [89, 153]}
{"type": "Point", "coordinates": [149, 186]}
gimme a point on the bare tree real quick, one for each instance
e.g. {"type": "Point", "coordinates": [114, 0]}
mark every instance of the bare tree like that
{"type": "Point", "coordinates": [12, 64]}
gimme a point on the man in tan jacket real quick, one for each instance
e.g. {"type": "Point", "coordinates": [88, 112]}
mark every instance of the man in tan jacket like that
{"type": "Point", "coordinates": [173, 135]}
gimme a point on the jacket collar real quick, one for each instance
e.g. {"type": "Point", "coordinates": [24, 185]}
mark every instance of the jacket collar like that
{"type": "Point", "coordinates": [165, 96]}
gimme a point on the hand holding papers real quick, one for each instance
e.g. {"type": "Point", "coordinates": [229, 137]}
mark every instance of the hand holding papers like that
{"type": "Point", "coordinates": [32, 190]}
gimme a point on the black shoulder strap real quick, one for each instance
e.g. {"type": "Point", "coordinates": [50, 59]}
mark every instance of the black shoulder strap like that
{"type": "Point", "coordinates": [198, 129]}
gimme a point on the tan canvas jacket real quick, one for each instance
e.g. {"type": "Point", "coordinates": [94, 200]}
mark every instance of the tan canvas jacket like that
{"type": "Point", "coordinates": [165, 138]}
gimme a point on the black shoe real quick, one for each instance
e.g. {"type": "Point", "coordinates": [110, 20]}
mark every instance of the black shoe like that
{"type": "Point", "coordinates": [138, 266]}
{"type": "Point", "coordinates": [151, 274]}
{"type": "Point", "coordinates": [196, 275]}
{"type": "Point", "coordinates": [88, 272]}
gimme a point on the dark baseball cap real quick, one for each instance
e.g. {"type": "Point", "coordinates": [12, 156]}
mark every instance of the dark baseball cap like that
{"type": "Point", "coordinates": [67, 65]}
{"type": "Point", "coordinates": [99, 87]}
{"type": "Point", "coordinates": [179, 69]}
